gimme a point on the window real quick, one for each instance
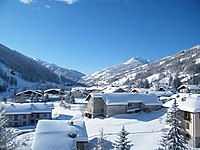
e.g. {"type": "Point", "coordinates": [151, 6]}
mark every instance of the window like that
{"type": "Point", "coordinates": [24, 116]}
{"type": "Point", "coordinates": [16, 117]}
{"type": "Point", "coordinates": [188, 136]}
{"type": "Point", "coordinates": [37, 115]}
{"type": "Point", "coordinates": [32, 115]}
{"type": "Point", "coordinates": [45, 115]}
{"type": "Point", "coordinates": [10, 116]}
{"type": "Point", "coordinates": [24, 122]}
{"type": "Point", "coordinates": [187, 115]}
{"type": "Point", "coordinates": [129, 105]}
{"type": "Point", "coordinates": [187, 125]}
{"type": "Point", "coordinates": [16, 124]}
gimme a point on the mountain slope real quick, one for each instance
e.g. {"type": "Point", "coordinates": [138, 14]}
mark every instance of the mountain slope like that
{"type": "Point", "coordinates": [112, 74]}
{"type": "Point", "coordinates": [183, 66]}
{"type": "Point", "coordinates": [16, 69]}
{"type": "Point", "coordinates": [67, 73]}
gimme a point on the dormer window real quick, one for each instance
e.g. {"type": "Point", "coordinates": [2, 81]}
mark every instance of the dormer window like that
{"type": "Point", "coordinates": [183, 99]}
{"type": "Point", "coordinates": [72, 135]}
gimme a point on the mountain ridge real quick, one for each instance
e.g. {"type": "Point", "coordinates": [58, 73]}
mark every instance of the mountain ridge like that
{"type": "Point", "coordinates": [22, 71]}
{"type": "Point", "coordinates": [71, 74]}
{"type": "Point", "coordinates": [183, 66]}
{"type": "Point", "coordinates": [111, 74]}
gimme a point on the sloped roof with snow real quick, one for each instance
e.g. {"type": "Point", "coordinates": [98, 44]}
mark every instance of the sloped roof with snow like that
{"type": "Point", "coordinates": [190, 87]}
{"type": "Point", "coordinates": [28, 91]}
{"type": "Point", "coordinates": [186, 102]}
{"type": "Point", "coordinates": [27, 108]}
{"type": "Point", "coordinates": [141, 90]}
{"type": "Point", "coordinates": [125, 98]}
{"type": "Point", "coordinates": [54, 134]}
{"type": "Point", "coordinates": [113, 89]}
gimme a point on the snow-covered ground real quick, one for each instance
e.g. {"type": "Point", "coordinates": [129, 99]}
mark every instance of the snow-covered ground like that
{"type": "Point", "coordinates": [145, 128]}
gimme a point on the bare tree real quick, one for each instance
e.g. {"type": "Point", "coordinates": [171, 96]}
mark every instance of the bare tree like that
{"type": "Point", "coordinates": [101, 142]}
{"type": "Point", "coordinates": [7, 136]}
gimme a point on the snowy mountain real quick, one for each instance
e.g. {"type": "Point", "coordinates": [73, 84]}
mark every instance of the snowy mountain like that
{"type": "Point", "coordinates": [67, 73]}
{"type": "Point", "coordinates": [20, 71]}
{"type": "Point", "coordinates": [183, 67]}
{"type": "Point", "coordinates": [112, 74]}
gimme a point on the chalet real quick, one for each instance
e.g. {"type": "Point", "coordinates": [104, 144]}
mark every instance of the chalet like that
{"type": "Point", "coordinates": [25, 114]}
{"type": "Point", "coordinates": [189, 105]}
{"type": "Point", "coordinates": [54, 94]}
{"type": "Point", "coordinates": [189, 89]}
{"type": "Point", "coordinates": [113, 90]}
{"type": "Point", "coordinates": [150, 91]}
{"type": "Point", "coordinates": [61, 135]}
{"type": "Point", "coordinates": [79, 92]}
{"type": "Point", "coordinates": [28, 95]}
{"type": "Point", "coordinates": [139, 90]}
{"type": "Point", "coordinates": [106, 105]}
{"type": "Point", "coordinates": [162, 87]}
{"type": "Point", "coordinates": [95, 89]}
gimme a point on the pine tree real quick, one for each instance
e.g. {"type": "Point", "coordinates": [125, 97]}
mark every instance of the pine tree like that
{"type": "Point", "coordinates": [123, 143]}
{"type": "Point", "coordinates": [176, 82]}
{"type": "Point", "coordinates": [7, 136]}
{"type": "Point", "coordinates": [174, 138]}
{"type": "Point", "coordinates": [101, 142]}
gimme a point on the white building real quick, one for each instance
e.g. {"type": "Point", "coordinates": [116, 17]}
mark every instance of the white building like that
{"type": "Point", "coordinates": [189, 105]}
{"type": "Point", "coordinates": [60, 135]}
{"type": "Point", "coordinates": [25, 114]}
{"type": "Point", "coordinates": [189, 89]}
{"type": "Point", "coordinates": [105, 105]}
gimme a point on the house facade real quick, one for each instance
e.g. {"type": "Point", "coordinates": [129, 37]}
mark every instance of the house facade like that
{"type": "Point", "coordinates": [62, 135]}
{"type": "Point", "coordinates": [189, 89]}
{"type": "Point", "coordinates": [189, 105]}
{"type": "Point", "coordinates": [106, 105]}
{"type": "Point", "coordinates": [54, 95]}
{"type": "Point", "coordinates": [27, 114]}
{"type": "Point", "coordinates": [27, 96]}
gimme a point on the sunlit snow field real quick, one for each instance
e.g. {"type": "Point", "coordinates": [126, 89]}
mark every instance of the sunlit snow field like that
{"type": "Point", "coordinates": [145, 128]}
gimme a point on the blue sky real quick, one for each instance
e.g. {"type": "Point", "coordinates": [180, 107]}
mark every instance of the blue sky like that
{"type": "Point", "coordinates": [89, 35]}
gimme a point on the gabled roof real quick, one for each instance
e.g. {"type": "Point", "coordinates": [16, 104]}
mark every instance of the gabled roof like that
{"type": "Point", "coordinates": [27, 108]}
{"type": "Point", "coordinates": [54, 134]}
{"type": "Point", "coordinates": [54, 90]}
{"type": "Point", "coordinates": [125, 98]}
{"type": "Point", "coordinates": [190, 87]}
{"type": "Point", "coordinates": [29, 91]}
{"type": "Point", "coordinates": [113, 90]}
{"type": "Point", "coordinates": [186, 102]}
{"type": "Point", "coordinates": [140, 90]}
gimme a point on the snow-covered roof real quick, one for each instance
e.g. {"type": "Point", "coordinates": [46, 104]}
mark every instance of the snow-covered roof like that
{"type": "Point", "coordinates": [52, 90]}
{"type": "Point", "coordinates": [81, 89]}
{"type": "Point", "coordinates": [95, 88]}
{"type": "Point", "coordinates": [160, 93]}
{"type": "Point", "coordinates": [186, 102]}
{"type": "Point", "coordinates": [27, 108]}
{"type": "Point", "coordinates": [190, 87]}
{"type": "Point", "coordinates": [112, 89]}
{"type": "Point", "coordinates": [125, 98]}
{"type": "Point", "coordinates": [54, 134]}
{"type": "Point", "coordinates": [141, 90]}
{"type": "Point", "coordinates": [157, 93]}
{"type": "Point", "coordinates": [32, 91]}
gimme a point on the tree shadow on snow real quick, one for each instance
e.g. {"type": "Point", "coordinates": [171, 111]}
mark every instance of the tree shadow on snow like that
{"type": "Point", "coordinates": [142, 116]}
{"type": "Point", "coordinates": [93, 144]}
